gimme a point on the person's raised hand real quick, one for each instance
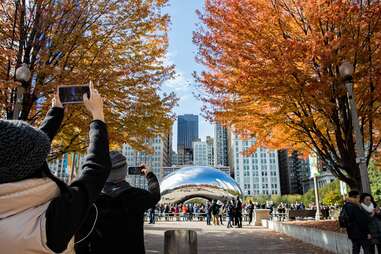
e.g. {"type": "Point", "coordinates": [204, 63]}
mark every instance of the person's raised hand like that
{"type": "Point", "coordinates": [145, 170]}
{"type": "Point", "coordinates": [56, 102]}
{"type": "Point", "coordinates": [94, 104]}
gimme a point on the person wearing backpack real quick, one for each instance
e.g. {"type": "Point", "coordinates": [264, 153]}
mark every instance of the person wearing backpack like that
{"type": "Point", "coordinates": [38, 212]}
{"type": "Point", "coordinates": [119, 225]}
{"type": "Point", "coordinates": [356, 221]}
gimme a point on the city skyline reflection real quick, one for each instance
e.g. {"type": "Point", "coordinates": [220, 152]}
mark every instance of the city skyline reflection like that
{"type": "Point", "coordinates": [198, 181]}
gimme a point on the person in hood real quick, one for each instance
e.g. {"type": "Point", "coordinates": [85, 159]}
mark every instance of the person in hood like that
{"type": "Point", "coordinates": [38, 212]}
{"type": "Point", "coordinates": [120, 220]}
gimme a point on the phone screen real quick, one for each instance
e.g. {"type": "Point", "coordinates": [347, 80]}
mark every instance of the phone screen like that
{"type": "Point", "coordinates": [73, 94]}
{"type": "Point", "coordinates": [135, 170]}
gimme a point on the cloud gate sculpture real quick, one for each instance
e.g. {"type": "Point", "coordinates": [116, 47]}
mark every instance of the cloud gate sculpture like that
{"type": "Point", "coordinates": [197, 181]}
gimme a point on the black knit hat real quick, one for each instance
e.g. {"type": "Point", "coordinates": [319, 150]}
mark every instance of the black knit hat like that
{"type": "Point", "coordinates": [23, 150]}
{"type": "Point", "coordinates": [118, 171]}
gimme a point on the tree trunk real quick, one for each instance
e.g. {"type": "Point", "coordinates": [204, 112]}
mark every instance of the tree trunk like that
{"type": "Point", "coordinates": [354, 178]}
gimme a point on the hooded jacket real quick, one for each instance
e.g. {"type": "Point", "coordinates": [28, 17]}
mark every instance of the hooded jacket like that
{"type": "Point", "coordinates": [36, 216]}
{"type": "Point", "coordinates": [119, 228]}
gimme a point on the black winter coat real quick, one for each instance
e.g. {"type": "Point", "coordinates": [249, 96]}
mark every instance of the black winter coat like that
{"type": "Point", "coordinates": [120, 226]}
{"type": "Point", "coordinates": [359, 220]}
{"type": "Point", "coordinates": [68, 211]}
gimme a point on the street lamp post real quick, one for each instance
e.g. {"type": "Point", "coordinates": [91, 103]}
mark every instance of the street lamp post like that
{"type": "Point", "coordinates": [346, 71]}
{"type": "Point", "coordinates": [317, 201]}
{"type": "Point", "coordinates": [22, 74]}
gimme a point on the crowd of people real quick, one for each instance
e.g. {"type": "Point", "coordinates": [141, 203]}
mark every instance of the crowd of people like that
{"type": "Point", "coordinates": [233, 212]}
{"type": "Point", "coordinates": [212, 212]}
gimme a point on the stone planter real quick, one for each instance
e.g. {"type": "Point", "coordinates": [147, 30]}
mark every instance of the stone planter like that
{"type": "Point", "coordinates": [331, 241]}
{"type": "Point", "coordinates": [261, 214]}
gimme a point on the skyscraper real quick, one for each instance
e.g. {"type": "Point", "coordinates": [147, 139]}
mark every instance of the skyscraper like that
{"type": "Point", "coordinates": [294, 171]}
{"type": "Point", "coordinates": [200, 153]}
{"type": "Point", "coordinates": [257, 173]}
{"type": "Point", "coordinates": [187, 132]}
{"type": "Point", "coordinates": [220, 145]}
{"type": "Point", "coordinates": [203, 152]}
{"type": "Point", "coordinates": [210, 150]}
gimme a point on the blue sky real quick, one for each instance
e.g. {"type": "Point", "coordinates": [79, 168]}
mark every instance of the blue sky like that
{"type": "Point", "coordinates": [182, 53]}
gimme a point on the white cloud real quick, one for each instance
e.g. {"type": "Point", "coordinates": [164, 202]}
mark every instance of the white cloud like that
{"type": "Point", "coordinates": [180, 84]}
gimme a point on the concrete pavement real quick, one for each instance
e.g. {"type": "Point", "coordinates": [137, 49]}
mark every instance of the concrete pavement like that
{"type": "Point", "coordinates": [220, 240]}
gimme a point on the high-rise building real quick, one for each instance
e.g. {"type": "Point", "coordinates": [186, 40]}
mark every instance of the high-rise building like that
{"type": "Point", "coordinates": [220, 145]}
{"type": "Point", "coordinates": [187, 132]}
{"type": "Point", "coordinates": [203, 152]}
{"type": "Point", "coordinates": [161, 157]}
{"type": "Point", "coordinates": [184, 155]}
{"type": "Point", "coordinates": [174, 158]}
{"type": "Point", "coordinates": [258, 173]}
{"type": "Point", "coordinates": [299, 172]}
{"type": "Point", "coordinates": [210, 150]}
{"type": "Point", "coordinates": [200, 153]}
{"type": "Point", "coordinates": [284, 173]}
{"type": "Point", "coordinates": [294, 171]}
{"type": "Point", "coordinates": [59, 168]}
{"type": "Point", "coordinates": [68, 166]}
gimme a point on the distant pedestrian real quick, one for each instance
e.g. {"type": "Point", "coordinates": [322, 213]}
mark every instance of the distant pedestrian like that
{"type": "Point", "coordinates": [190, 212]}
{"type": "Point", "coordinates": [152, 215]}
{"type": "Point", "coordinates": [250, 211]}
{"type": "Point", "coordinates": [208, 211]}
{"type": "Point", "coordinates": [185, 212]}
{"type": "Point", "coordinates": [167, 212]}
{"type": "Point", "coordinates": [177, 212]}
{"type": "Point", "coordinates": [229, 213]}
{"type": "Point", "coordinates": [239, 212]}
{"type": "Point", "coordinates": [234, 213]}
{"type": "Point", "coordinates": [221, 212]}
{"type": "Point", "coordinates": [215, 211]}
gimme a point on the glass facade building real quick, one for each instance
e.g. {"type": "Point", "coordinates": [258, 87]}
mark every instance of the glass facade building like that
{"type": "Point", "coordinates": [187, 132]}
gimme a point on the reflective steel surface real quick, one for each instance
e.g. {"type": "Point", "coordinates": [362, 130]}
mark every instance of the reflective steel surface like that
{"type": "Point", "coordinates": [197, 181]}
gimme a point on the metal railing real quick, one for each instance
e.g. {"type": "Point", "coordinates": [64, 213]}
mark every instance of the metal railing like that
{"type": "Point", "coordinates": [186, 217]}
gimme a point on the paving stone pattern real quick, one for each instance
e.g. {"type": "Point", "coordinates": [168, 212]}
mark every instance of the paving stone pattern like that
{"type": "Point", "coordinates": [220, 240]}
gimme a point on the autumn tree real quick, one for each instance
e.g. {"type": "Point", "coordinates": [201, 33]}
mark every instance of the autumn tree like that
{"type": "Point", "coordinates": [120, 44]}
{"type": "Point", "coordinates": [272, 72]}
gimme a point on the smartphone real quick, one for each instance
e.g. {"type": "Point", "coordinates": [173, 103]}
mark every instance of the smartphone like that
{"type": "Point", "coordinates": [73, 94]}
{"type": "Point", "coordinates": [135, 170]}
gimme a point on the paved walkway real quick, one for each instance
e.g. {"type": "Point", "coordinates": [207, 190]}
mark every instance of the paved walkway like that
{"type": "Point", "coordinates": [220, 240]}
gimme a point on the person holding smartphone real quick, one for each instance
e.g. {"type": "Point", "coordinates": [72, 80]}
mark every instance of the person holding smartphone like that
{"type": "Point", "coordinates": [38, 212]}
{"type": "Point", "coordinates": [119, 226]}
